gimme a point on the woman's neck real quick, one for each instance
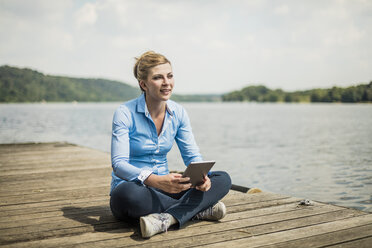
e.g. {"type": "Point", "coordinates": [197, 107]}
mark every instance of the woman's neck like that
{"type": "Point", "coordinates": [155, 108]}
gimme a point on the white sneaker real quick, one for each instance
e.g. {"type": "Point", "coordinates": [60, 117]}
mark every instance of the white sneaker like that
{"type": "Point", "coordinates": [216, 212]}
{"type": "Point", "coordinates": [154, 223]}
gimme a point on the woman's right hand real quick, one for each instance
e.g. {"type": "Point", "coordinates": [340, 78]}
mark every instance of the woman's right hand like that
{"type": "Point", "coordinates": [171, 183]}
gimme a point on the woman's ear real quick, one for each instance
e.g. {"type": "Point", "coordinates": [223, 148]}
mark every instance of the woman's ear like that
{"type": "Point", "coordinates": [142, 85]}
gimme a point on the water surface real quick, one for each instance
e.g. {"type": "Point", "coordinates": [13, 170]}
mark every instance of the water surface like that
{"type": "Point", "coordinates": [317, 151]}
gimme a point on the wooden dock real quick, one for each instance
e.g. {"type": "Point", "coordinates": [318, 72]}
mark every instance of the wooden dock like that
{"type": "Point", "coordinates": [57, 195]}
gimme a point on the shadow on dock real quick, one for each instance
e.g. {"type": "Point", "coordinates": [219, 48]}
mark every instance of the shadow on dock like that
{"type": "Point", "coordinates": [99, 217]}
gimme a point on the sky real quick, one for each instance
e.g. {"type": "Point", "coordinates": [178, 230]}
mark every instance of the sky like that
{"type": "Point", "coordinates": [214, 46]}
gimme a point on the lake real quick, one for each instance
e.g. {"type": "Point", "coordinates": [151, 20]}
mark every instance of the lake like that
{"type": "Point", "coordinates": [320, 152]}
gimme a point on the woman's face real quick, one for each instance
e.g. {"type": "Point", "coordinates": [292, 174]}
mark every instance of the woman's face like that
{"type": "Point", "coordinates": [159, 83]}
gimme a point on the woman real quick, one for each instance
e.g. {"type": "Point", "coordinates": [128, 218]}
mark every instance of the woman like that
{"type": "Point", "coordinates": [143, 132]}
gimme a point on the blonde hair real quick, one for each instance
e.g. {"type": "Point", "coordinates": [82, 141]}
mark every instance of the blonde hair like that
{"type": "Point", "coordinates": [145, 62]}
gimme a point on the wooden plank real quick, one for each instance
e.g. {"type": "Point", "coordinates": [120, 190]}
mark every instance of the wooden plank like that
{"type": "Point", "coordinates": [44, 203]}
{"type": "Point", "coordinates": [223, 235]}
{"type": "Point", "coordinates": [11, 181]}
{"type": "Point", "coordinates": [235, 234]}
{"type": "Point", "coordinates": [35, 212]}
{"type": "Point", "coordinates": [115, 239]}
{"type": "Point", "coordinates": [44, 217]}
{"type": "Point", "coordinates": [39, 206]}
{"type": "Point", "coordinates": [230, 201]}
{"type": "Point", "coordinates": [63, 195]}
{"type": "Point", "coordinates": [360, 243]}
{"type": "Point", "coordinates": [14, 151]}
{"type": "Point", "coordinates": [21, 147]}
{"type": "Point", "coordinates": [82, 192]}
{"type": "Point", "coordinates": [72, 167]}
{"type": "Point", "coordinates": [298, 233]}
{"type": "Point", "coordinates": [87, 209]}
{"type": "Point", "coordinates": [13, 220]}
{"type": "Point", "coordinates": [72, 224]}
{"type": "Point", "coordinates": [50, 157]}
{"type": "Point", "coordinates": [263, 204]}
{"type": "Point", "coordinates": [199, 225]}
{"type": "Point", "coordinates": [67, 232]}
{"type": "Point", "coordinates": [31, 189]}
{"type": "Point", "coordinates": [57, 175]}
{"type": "Point", "coordinates": [38, 165]}
{"type": "Point", "coordinates": [44, 197]}
{"type": "Point", "coordinates": [264, 196]}
{"type": "Point", "coordinates": [42, 226]}
{"type": "Point", "coordinates": [23, 157]}
{"type": "Point", "coordinates": [39, 210]}
{"type": "Point", "coordinates": [55, 182]}
{"type": "Point", "coordinates": [194, 229]}
{"type": "Point", "coordinates": [329, 239]}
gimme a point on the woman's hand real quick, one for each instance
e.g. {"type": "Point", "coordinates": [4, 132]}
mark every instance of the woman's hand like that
{"type": "Point", "coordinates": [206, 185]}
{"type": "Point", "coordinates": [171, 183]}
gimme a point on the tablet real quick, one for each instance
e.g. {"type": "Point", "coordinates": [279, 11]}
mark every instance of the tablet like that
{"type": "Point", "coordinates": [197, 170]}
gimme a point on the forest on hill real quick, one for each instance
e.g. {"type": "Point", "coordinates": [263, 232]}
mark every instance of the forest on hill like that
{"type": "Point", "coordinates": [260, 93]}
{"type": "Point", "coordinates": [26, 85]}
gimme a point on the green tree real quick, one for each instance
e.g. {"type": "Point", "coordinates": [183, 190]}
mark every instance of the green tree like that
{"type": "Point", "coordinates": [335, 94]}
{"type": "Point", "coordinates": [349, 95]}
{"type": "Point", "coordinates": [360, 93]}
{"type": "Point", "coordinates": [288, 97]}
{"type": "Point", "coordinates": [367, 94]}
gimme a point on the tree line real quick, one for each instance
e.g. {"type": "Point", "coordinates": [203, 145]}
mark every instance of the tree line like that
{"type": "Point", "coordinates": [260, 93]}
{"type": "Point", "coordinates": [26, 85]}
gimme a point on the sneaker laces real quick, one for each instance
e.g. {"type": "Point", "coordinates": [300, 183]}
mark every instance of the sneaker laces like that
{"type": "Point", "coordinates": [165, 222]}
{"type": "Point", "coordinates": [204, 213]}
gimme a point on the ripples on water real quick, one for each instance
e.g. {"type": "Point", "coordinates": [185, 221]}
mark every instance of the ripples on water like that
{"type": "Point", "coordinates": [317, 151]}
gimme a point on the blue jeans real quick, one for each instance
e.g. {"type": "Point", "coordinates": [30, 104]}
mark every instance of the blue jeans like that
{"type": "Point", "coordinates": [131, 200]}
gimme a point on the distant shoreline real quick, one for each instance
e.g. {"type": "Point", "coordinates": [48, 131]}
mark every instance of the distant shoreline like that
{"type": "Point", "coordinates": [29, 86]}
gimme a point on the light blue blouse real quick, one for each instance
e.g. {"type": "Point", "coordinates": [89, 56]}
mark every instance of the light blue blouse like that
{"type": "Point", "coordinates": [136, 147]}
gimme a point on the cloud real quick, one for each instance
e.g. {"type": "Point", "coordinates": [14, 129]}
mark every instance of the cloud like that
{"type": "Point", "coordinates": [215, 46]}
{"type": "Point", "coordinates": [86, 16]}
{"type": "Point", "coordinates": [36, 11]}
{"type": "Point", "coordinates": [281, 10]}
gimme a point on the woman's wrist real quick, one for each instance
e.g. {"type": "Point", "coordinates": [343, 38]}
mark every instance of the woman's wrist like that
{"type": "Point", "coordinates": [152, 180]}
{"type": "Point", "coordinates": [144, 175]}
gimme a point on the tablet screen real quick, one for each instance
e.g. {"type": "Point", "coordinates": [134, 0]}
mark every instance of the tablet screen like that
{"type": "Point", "coordinates": [197, 170]}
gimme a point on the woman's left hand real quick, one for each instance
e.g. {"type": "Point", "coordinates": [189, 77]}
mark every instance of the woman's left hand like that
{"type": "Point", "coordinates": [206, 185]}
